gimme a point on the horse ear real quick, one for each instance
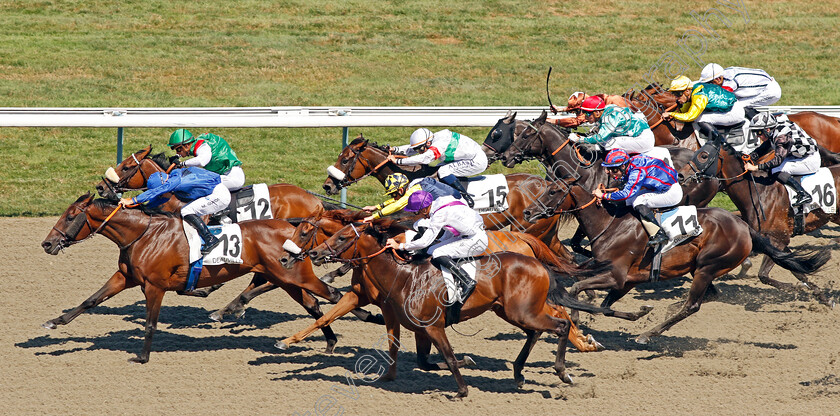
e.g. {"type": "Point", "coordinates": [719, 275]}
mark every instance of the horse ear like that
{"type": "Point", "coordinates": [145, 152]}
{"type": "Point", "coordinates": [509, 117]}
{"type": "Point", "coordinates": [543, 116]}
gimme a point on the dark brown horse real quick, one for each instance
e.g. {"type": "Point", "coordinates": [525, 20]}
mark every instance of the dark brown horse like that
{"type": "Point", "coordinates": [315, 230]}
{"type": "Point", "coordinates": [762, 202]}
{"type": "Point", "coordinates": [519, 289]}
{"type": "Point", "coordinates": [286, 201]}
{"type": "Point", "coordinates": [153, 255]}
{"type": "Point", "coordinates": [571, 162]}
{"type": "Point", "coordinates": [361, 159]}
{"type": "Point", "coordinates": [617, 235]}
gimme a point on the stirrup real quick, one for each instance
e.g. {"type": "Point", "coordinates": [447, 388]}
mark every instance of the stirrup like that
{"type": "Point", "coordinates": [209, 246]}
{"type": "Point", "coordinates": [469, 199]}
{"type": "Point", "coordinates": [803, 199]}
{"type": "Point", "coordinates": [657, 239]}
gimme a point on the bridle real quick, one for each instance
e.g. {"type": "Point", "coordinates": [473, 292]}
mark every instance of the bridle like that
{"type": "Point", "coordinates": [334, 255]}
{"type": "Point", "coordinates": [82, 220]}
{"type": "Point", "coordinates": [120, 186]}
{"type": "Point", "coordinates": [358, 157]}
{"type": "Point", "coordinates": [521, 154]}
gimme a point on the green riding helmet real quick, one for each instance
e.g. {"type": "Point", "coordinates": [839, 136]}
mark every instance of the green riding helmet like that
{"type": "Point", "coordinates": [179, 137]}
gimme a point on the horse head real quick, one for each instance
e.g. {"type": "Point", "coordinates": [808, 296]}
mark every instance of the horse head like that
{"type": "Point", "coordinates": [527, 143]}
{"type": "Point", "coordinates": [500, 136]}
{"type": "Point", "coordinates": [67, 229]}
{"type": "Point", "coordinates": [553, 200]}
{"type": "Point", "coordinates": [131, 173]}
{"type": "Point", "coordinates": [337, 244]}
{"type": "Point", "coordinates": [352, 165]}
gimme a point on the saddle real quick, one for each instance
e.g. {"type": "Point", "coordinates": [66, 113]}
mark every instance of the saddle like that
{"type": "Point", "coordinates": [242, 197]}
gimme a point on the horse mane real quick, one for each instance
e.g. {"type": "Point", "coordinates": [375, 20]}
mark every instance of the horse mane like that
{"type": "Point", "coordinates": [384, 228]}
{"type": "Point", "coordinates": [357, 140]}
{"type": "Point", "coordinates": [103, 203]}
{"type": "Point", "coordinates": [161, 160]}
{"type": "Point", "coordinates": [329, 206]}
{"type": "Point", "coordinates": [345, 216]}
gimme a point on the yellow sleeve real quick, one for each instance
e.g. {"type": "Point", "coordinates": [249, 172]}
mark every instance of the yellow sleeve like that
{"type": "Point", "coordinates": [698, 104]}
{"type": "Point", "coordinates": [391, 206]}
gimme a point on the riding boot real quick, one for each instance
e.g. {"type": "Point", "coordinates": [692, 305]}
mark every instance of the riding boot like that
{"type": "Point", "coordinates": [210, 240]}
{"type": "Point", "coordinates": [710, 131]}
{"type": "Point", "coordinates": [453, 181]}
{"type": "Point", "coordinates": [802, 196]}
{"type": "Point", "coordinates": [467, 285]}
{"type": "Point", "coordinates": [750, 112]}
{"type": "Point", "coordinates": [657, 234]}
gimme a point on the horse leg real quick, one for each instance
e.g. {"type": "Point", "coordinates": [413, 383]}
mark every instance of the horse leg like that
{"type": "Point", "coordinates": [610, 281]}
{"type": "Point", "coordinates": [816, 291]}
{"type": "Point", "coordinates": [201, 292]}
{"type": "Point", "coordinates": [531, 338]}
{"type": "Point", "coordinates": [341, 271]}
{"type": "Point", "coordinates": [575, 243]}
{"type": "Point", "coordinates": [537, 317]}
{"type": "Point", "coordinates": [258, 286]}
{"type": "Point", "coordinates": [424, 347]}
{"type": "Point", "coordinates": [154, 297]}
{"type": "Point", "coordinates": [764, 276]}
{"type": "Point", "coordinates": [116, 284]}
{"type": "Point", "coordinates": [702, 278]}
{"type": "Point", "coordinates": [348, 302]}
{"type": "Point", "coordinates": [392, 326]}
{"type": "Point", "coordinates": [311, 305]}
{"type": "Point", "coordinates": [576, 337]}
{"type": "Point", "coordinates": [438, 337]}
{"type": "Point", "coordinates": [614, 295]}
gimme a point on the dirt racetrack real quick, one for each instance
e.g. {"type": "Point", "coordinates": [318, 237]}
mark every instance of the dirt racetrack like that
{"type": "Point", "coordinates": [753, 351]}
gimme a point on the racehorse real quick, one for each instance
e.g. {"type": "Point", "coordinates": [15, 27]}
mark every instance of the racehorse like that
{"type": "Point", "coordinates": [153, 255]}
{"type": "Point", "coordinates": [361, 159]}
{"type": "Point", "coordinates": [762, 202]}
{"type": "Point", "coordinates": [652, 102]}
{"type": "Point", "coordinates": [569, 161]}
{"type": "Point", "coordinates": [616, 234]}
{"type": "Point", "coordinates": [313, 231]}
{"type": "Point", "coordinates": [518, 288]}
{"type": "Point", "coordinates": [286, 201]}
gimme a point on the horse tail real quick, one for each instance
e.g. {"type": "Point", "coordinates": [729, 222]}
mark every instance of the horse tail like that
{"type": "Point", "coordinates": [558, 296]}
{"type": "Point", "coordinates": [558, 265]}
{"type": "Point", "coordinates": [828, 157]}
{"type": "Point", "coordinates": [801, 261]}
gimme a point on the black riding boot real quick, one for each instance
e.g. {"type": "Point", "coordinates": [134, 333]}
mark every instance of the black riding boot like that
{"type": "Point", "coordinates": [802, 196]}
{"type": "Point", "coordinates": [657, 234]}
{"type": "Point", "coordinates": [210, 240]}
{"type": "Point", "coordinates": [453, 181]}
{"type": "Point", "coordinates": [467, 285]}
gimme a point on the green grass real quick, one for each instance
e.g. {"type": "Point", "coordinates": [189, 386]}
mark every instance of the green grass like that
{"type": "Point", "coordinates": [350, 53]}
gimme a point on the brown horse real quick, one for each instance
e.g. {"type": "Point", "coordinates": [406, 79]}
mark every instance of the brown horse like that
{"type": "Point", "coordinates": [153, 255]}
{"type": "Point", "coordinates": [286, 201]}
{"type": "Point", "coordinates": [762, 202]}
{"type": "Point", "coordinates": [569, 161]}
{"type": "Point", "coordinates": [824, 129]}
{"type": "Point", "coordinates": [315, 230]}
{"type": "Point", "coordinates": [518, 288]}
{"type": "Point", "coordinates": [652, 102]}
{"type": "Point", "coordinates": [361, 159]}
{"type": "Point", "coordinates": [617, 235]}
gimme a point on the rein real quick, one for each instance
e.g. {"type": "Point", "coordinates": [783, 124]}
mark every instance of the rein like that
{"type": "Point", "coordinates": [356, 159]}
{"type": "Point", "coordinates": [72, 240]}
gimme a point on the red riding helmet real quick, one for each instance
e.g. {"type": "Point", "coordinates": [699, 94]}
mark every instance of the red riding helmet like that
{"type": "Point", "coordinates": [593, 103]}
{"type": "Point", "coordinates": [615, 157]}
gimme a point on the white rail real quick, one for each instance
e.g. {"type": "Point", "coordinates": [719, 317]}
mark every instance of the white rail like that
{"type": "Point", "coordinates": [256, 117]}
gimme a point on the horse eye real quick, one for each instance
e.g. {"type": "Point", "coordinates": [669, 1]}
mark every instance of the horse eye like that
{"type": "Point", "coordinates": [552, 192]}
{"type": "Point", "coordinates": [124, 168]}
{"type": "Point", "coordinates": [341, 238]}
{"type": "Point", "coordinates": [71, 217]}
{"type": "Point", "coordinates": [345, 161]}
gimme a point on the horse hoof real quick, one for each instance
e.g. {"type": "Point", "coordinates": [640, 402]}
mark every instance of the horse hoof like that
{"type": "Point", "coordinates": [281, 345]}
{"type": "Point", "coordinates": [48, 325]}
{"type": "Point", "coordinates": [469, 362]}
{"type": "Point", "coordinates": [138, 360]}
{"type": "Point", "coordinates": [598, 346]}
{"type": "Point", "coordinates": [460, 395]}
{"type": "Point", "coordinates": [330, 348]}
{"type": "Point", "coordinates": [642, 339]}
{"type": "Point", "coordinates": [239, 313]}
{"type": "Point", "coordinates": [216, 316]}
{"type": "Point", "coordinates": [520, 383]}
{"type": "Point", "coordinates": [567, 379]}
{"type": "Point", "coordinates": [328, 279]}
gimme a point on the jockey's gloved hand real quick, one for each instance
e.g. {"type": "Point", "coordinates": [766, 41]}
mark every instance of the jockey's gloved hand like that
{"type": "Point", "coordinates": [175, 160]}
{"type": "Point", "coordinates": [574, 137]}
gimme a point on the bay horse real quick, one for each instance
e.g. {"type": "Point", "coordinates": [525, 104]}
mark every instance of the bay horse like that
{"type": "Point", "coordinates": [154, 256]}
{"type": "Point", "coordinates": [520, 290]}
{"type": "Point", "coordinates": [616, 234]}
{"type": "Point", "coordinates": [362, 158]}
{"type": "Point", "coordinates": [652, 101]}
{"type": "Point", "coordinates": [762, 202]}
{"type": "Point", "coordinates": [569, 161]}
{"type": "Point", "coordinates": [286, 201]}
{"type": "Point", "coordinates": [313, 231]}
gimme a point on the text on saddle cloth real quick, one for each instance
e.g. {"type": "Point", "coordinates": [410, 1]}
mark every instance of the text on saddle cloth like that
{"type": "Point", "coordinates": [821, 187]}
{"type": "Point", "coordinates": [489, 193]}
{"type": "Point", "coordinates": [252, 203]}
{"type": "Point", "coordinates": [229, 251]}
{"type": "Point", "coordinates": [680, 224]}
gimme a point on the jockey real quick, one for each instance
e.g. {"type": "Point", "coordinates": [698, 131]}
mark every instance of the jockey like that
{"type": "Point", "coordinates": [400, 189]}
{"type": "Point", "coordinates": [460, 156]}
{"type": "Point", "coordinates": [203, 188]}
{"type": "Point", "coordinates": [649, 183]}
{"type": "Point", "coordinates": [617, 127]}
{"type": "Point", "coordinates": [212, 153]}
{"type": "Point", "coordinates": [575, 101]}
{"type": "Point", "coordinates": [462, 235]}
{"type": "Point", "coordinates": [752, 87]}
{"type": "Point", "coordinates": [706, 104]}
{"type": "Point", "coordinates": [796, 152]}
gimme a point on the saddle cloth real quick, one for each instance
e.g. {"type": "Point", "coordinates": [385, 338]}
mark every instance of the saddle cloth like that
{"type": "Point", "coordinates": [680, 224]}
{"type": "Point", "coordinates": [489, 193]}
{"type": "Point", "coordinates": [229, 251]}
{"type": "Point", "coordinates": [822, 189]}
{"type": "Point", "coordinates": [251, 203]}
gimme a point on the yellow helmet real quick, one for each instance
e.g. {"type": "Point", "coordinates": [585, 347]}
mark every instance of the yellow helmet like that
{"type": "Point", "coordinates": [394, 182]}
{"type": "Point", "coordinates": [680, 83]}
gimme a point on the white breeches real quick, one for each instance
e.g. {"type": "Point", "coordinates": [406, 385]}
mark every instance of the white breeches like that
{"type": "Point", "coordinates": [210, 204]}
{"type": "Point", "coordinates": [639, 144]}
{"type": "Point", "coordinates": [464, 167]}
{"type": "Point", "coordinates": [234, 179]}
{"type": "Point", "coordinates": [768, 96]}
{"type": "Point", "coordinates": [458, 248]}
{"type": "Point", "coordinates": [735, 115]}
{"type": "Point", "coordinates": [653, 200]}
{"type": "Point", "coordinates": [802, 166]}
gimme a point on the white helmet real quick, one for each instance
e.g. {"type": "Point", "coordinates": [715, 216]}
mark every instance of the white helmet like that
{"type": "Point", "coordinates": [420, 136]}
{"type": "Point", "coordinates": [710, 72]}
